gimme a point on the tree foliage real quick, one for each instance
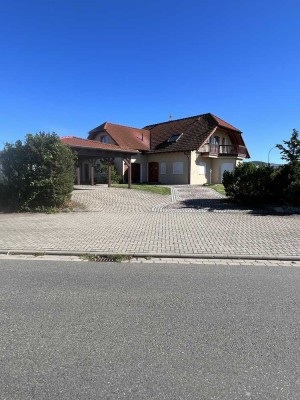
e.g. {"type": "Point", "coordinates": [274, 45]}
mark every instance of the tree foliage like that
{"type": "Point", "coordinates": [37, 174]}
{"type": "Point", "coordinates": [290, 152]}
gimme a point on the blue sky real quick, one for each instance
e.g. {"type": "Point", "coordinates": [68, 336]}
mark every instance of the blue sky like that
{"type": "Point", "coordinates": [69, 65]}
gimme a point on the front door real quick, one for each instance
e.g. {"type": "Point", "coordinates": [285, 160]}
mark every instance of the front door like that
{"type": "Point", "coordinates": [136, 172]}
{"type": "Point", "coordinates": [153, 171]}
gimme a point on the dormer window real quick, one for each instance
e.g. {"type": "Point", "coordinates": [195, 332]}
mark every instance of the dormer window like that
{"type": "Point", "coordinates": [104, 139]}
{"type": "Point", "coordinates": [215, 140]}
{"type": "Point", "coordinates": [174, 138]}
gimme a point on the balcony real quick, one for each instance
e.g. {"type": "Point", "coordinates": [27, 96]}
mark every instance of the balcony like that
{"type": "Point", "coordinates": [215, 150]}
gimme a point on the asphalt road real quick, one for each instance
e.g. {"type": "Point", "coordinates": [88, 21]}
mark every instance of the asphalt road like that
{"type": "Point", "coordinates": [118, 331]}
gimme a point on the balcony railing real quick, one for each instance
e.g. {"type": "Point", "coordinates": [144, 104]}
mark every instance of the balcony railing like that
{"type": "Point", "coordinates": [223, 150]}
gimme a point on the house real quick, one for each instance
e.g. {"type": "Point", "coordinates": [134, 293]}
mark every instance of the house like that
{"type": "Point", "coordinates": [193, 150]}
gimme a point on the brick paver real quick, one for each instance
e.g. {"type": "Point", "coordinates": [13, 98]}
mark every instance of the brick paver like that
{"type": "Point", "coordinates": [119, 221]}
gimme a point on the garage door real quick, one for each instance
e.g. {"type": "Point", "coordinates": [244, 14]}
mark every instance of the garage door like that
{"type": "Point", "coordinates": [226, 167]}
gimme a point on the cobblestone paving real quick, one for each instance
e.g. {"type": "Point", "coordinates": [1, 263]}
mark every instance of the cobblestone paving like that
{"type": "Point", "coordinates": [199, 199]}
{"type": "Point", "coordinates": [123, 221]}
{"type": "Point", "coordinates": [117, 200]}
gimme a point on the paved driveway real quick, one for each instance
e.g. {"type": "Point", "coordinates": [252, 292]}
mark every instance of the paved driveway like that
{"type": "Point", "coordinates": [120, 220]}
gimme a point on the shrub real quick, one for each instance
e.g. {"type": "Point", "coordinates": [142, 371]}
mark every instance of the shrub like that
{"type": "Point", "coordinates": [39, 173]}
{"type": "Point", "coordinates": [293, 193]}
{"type": "Point", "coordinates": [101, 174]}
{"type": "Point", "coordinates": [248, 183]}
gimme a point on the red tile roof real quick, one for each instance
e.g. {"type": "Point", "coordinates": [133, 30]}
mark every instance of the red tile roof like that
{"type": "Point", "coordinates": [124, 135]}
{"type": "Point", "coordinates": [194, 132]}
{"type": "Point", "coordinates": [225, 124]}
{"type": "Point", "coordinates": [73, 141]}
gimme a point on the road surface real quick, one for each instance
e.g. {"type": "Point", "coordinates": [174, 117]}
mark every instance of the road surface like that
{"type": "Point", "coordinates": [118, 331]}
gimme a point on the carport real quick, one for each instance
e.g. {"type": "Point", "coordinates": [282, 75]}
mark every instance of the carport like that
{"type": "Point", "coordinates": [89, 151]}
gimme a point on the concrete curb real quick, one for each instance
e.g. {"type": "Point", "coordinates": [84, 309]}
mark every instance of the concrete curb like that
{"type": "Point", "coordinates": [153, 255]}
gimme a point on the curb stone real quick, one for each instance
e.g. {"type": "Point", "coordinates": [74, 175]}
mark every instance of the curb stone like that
{"type": "Point", "coordinates": [201, 256]}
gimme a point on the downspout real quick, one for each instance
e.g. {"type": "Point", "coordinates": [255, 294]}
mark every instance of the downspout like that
{"type": "Point", "coordinates": [187, 154]}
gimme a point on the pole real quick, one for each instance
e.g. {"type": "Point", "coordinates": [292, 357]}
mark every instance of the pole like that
{"type": "Point", "coordinates": [269, 154]}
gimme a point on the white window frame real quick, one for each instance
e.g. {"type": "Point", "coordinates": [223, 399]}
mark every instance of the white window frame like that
{"type": "Point", "coordinates": [177, 168]}
{"type": "Point", "coordinates": [104, 139]}
{"type": "Point", "coordinates": [163, 168]}
{"type": "Point", "coordinates": [202, 168]}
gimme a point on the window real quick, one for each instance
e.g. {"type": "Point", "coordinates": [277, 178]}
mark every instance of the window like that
{"type": "Point", "coordinates": [104, 139]}
{"type": "Point", "coordinates": [215, 140]}
{"type": "Point", "coordinates": [162, 168]}
{"type": "Point", "coordinates": [224, 147]}
{"type": "Point", "coordinates": [178, 168]}
{"type": "Point", "coordinates": [174, 138]}
{"type": "Point", "coordinates": [202, 168]}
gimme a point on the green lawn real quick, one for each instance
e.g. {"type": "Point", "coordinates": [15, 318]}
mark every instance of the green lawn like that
{"type": "Point", "coordinates": [147, 188]}
{"type": "Point", "coordinates": [218, 187]}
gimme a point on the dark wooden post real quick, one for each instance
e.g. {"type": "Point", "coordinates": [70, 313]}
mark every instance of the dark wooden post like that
{"type": "Point", "coordinates": [109, 173]}
{"type": "Point", "coordinates": [128, 163]}
{"type": "Point", "coordinates": [92, 172]}
{"type": "Point", "coordinates": [78, 175]}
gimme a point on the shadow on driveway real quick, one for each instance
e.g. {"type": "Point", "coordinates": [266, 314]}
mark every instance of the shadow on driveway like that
{"type": "Point", "coordinates": [225, 205]}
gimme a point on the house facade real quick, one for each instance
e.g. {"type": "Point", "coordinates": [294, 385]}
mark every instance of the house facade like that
{"type": "Point", "coordinates": [194, 150]}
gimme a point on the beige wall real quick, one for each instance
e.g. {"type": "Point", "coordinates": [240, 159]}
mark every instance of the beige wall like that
{"type": "Point", "coordinates": [118, 162]}
{"type": "Point", "coordinates": [197, 177]}
{"type": "Point", "coordinates": [169, 159]}
{"type": "Point", "coordinates": [217, 164]}
{"type": "Point", "coordinates": [212, 165]}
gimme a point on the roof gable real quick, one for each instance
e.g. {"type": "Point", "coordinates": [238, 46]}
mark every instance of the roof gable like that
{"type": "Point", "coordinates": [224, 124]}
{"type": "Point", "coordinates": [124, 135]}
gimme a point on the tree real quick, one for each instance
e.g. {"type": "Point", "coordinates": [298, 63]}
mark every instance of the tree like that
{"type": "Point", "coordinates": [38, 173]}
{"type": "Point", "coordinates": [290, 153]}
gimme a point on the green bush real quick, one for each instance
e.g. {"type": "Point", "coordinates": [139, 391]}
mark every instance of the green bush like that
{"type": "Point", "coordinates": [264, 184]}
{"type": "Point", "coordinates": [37, 174]}
{"type": "Point", "coordinates": [293, 193]}
{"type": "Point", "coordinates": [101, 174]}
{"type": "Point", "coordinates": [249, 184]}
